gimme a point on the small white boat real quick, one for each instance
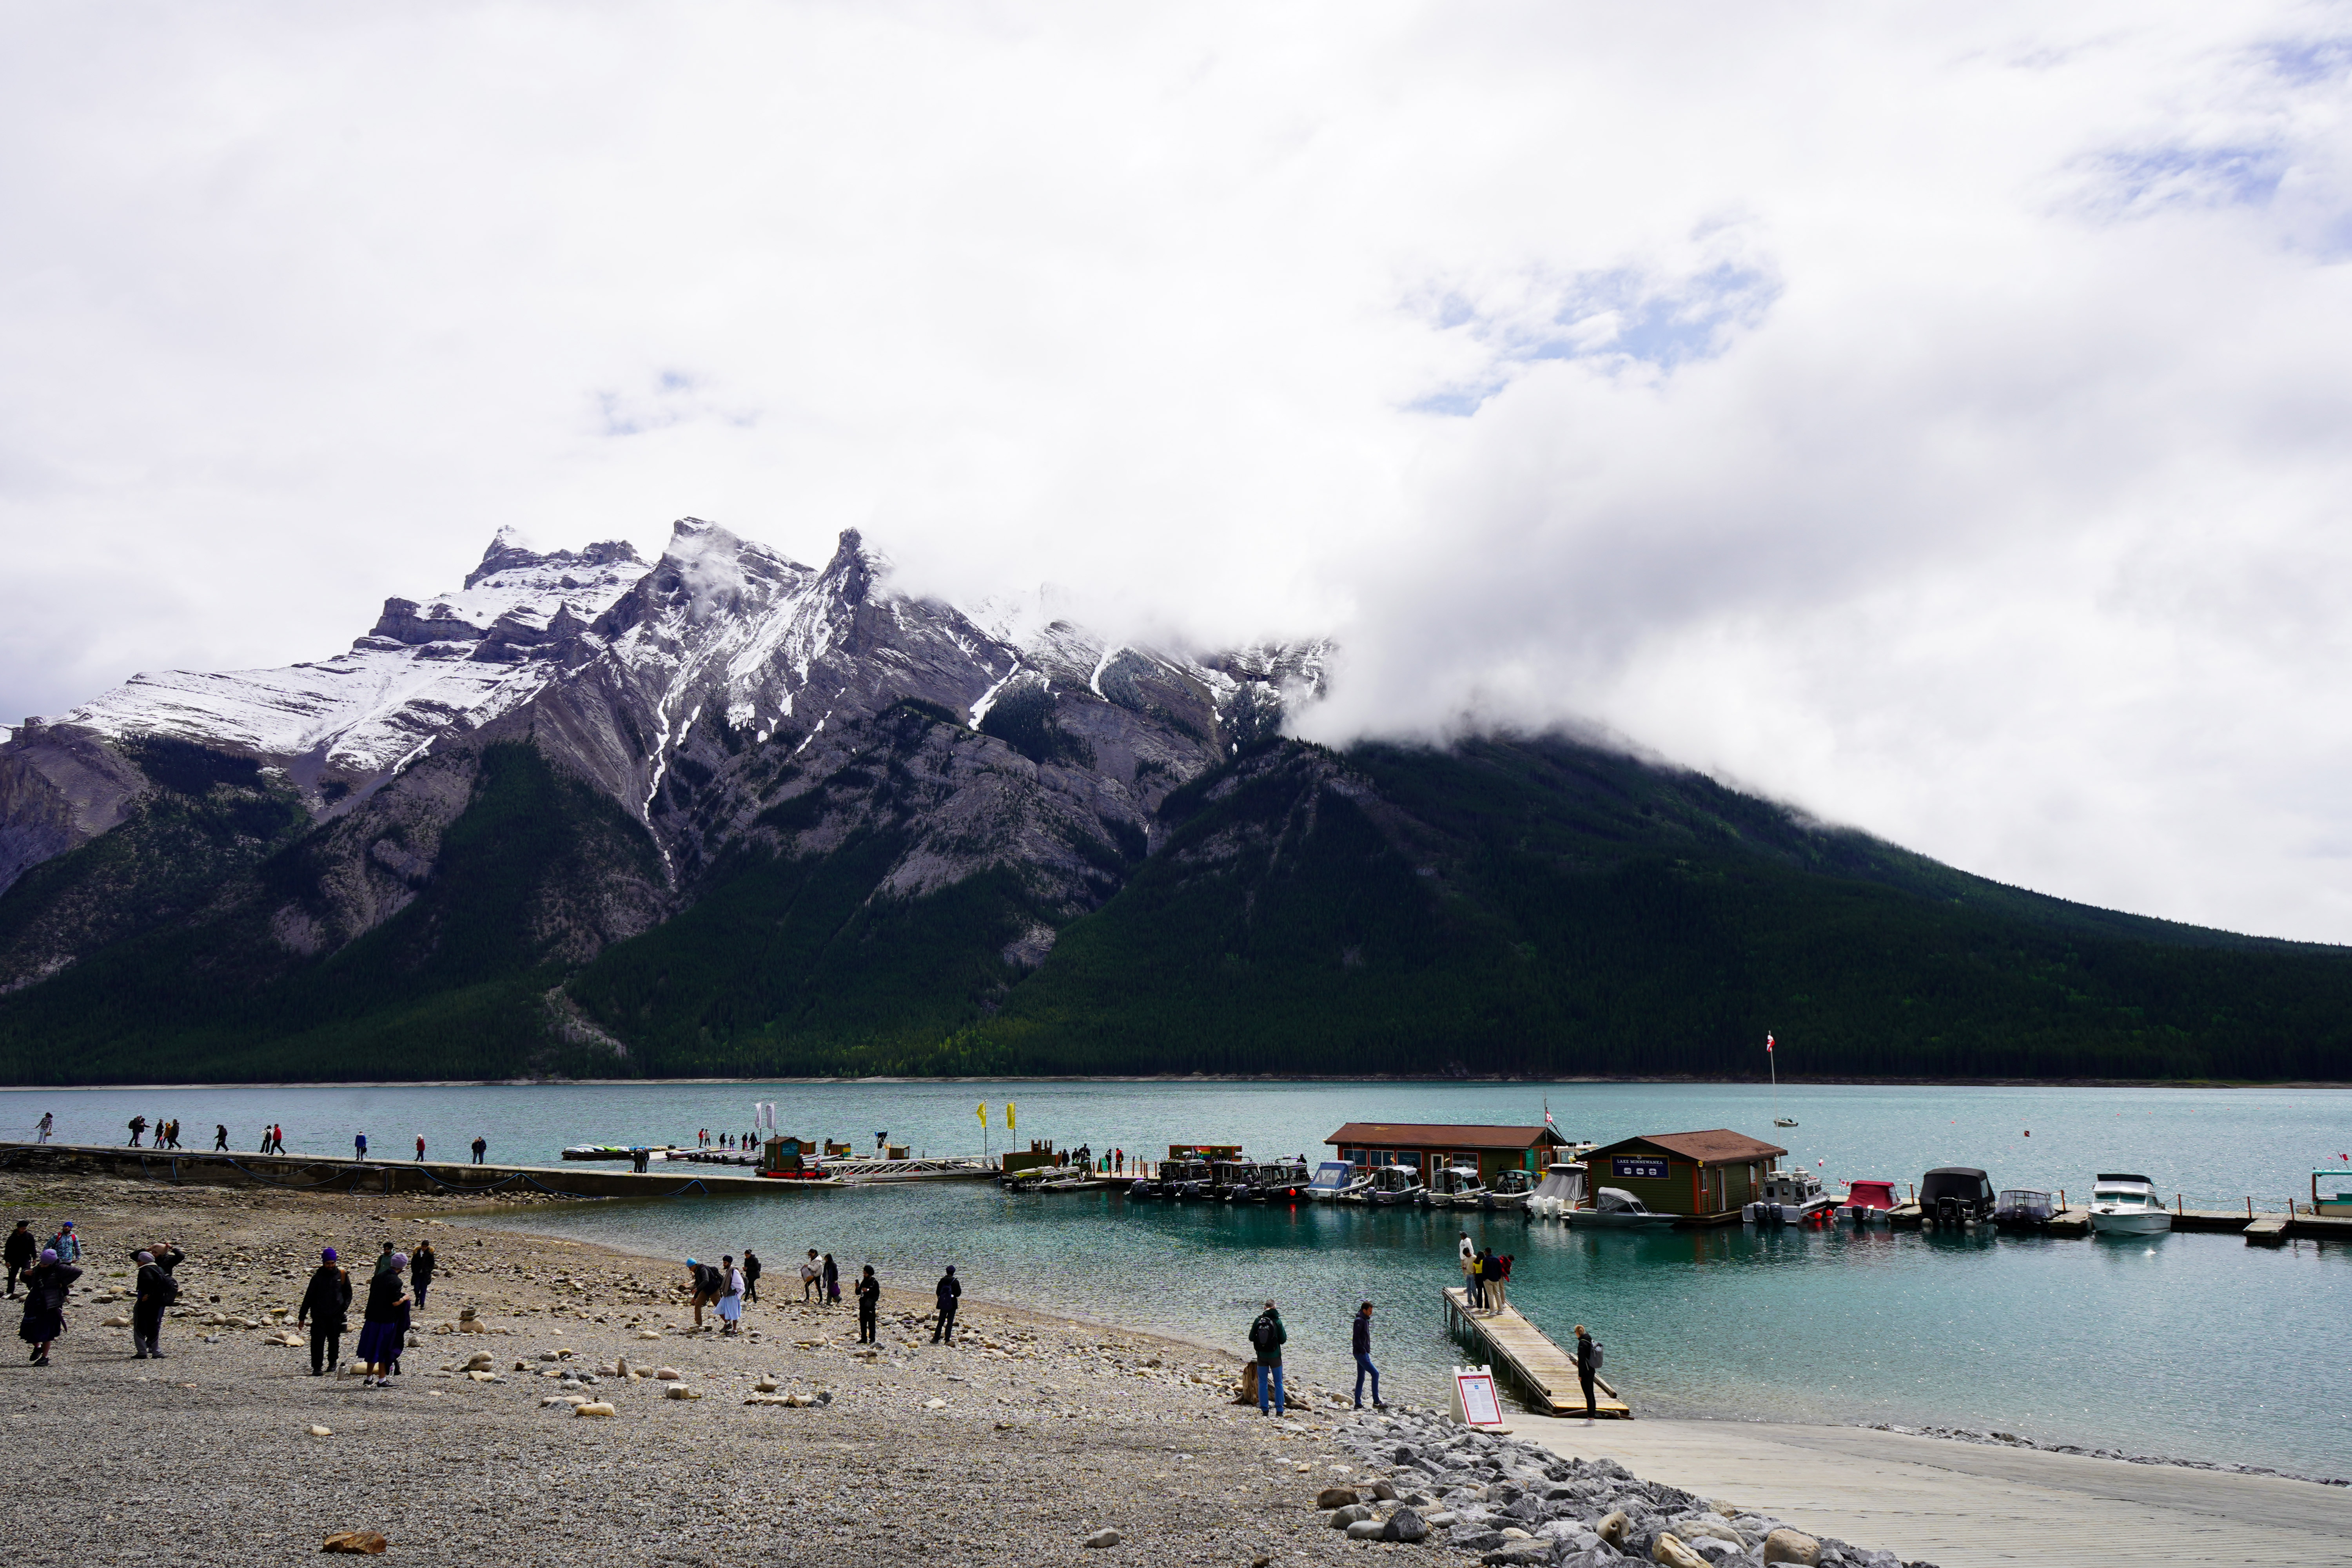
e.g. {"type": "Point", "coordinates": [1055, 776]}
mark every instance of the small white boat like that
{"type": "Point", "coordinates": [1512, 1190]}
{"type": "Point", "coordinates": [1790, 1197]}
{"type": "Point", "coordinates": [1392, 1185]}
{"type": "Point", "coordinates": [1615, 1207]}
{"type": "Point", "coordinates": [2125, 1204]}
{"type": "Point", "coordinates": [1453, 1187]}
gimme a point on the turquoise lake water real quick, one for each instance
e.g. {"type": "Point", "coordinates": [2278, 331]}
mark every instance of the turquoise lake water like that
{"type": "Point", "coordinates": [2197, 1346]}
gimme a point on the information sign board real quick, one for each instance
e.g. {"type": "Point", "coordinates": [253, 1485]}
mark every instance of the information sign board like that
{"type": "Point", "coordinates": [1474, 1400]}
{"type": "Point", "coordinates": [1637, 1168]}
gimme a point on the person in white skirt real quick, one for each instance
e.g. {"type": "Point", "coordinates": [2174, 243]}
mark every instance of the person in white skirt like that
{"type": "Point", "coordinates": [730, 1295]}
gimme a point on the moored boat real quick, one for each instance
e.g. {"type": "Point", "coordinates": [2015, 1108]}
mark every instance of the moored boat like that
{"type": "Point", "coordinates": [1511, 1190]}
{"type": "Point", "coordinates": [1951, 1196]}
{"type": "Point", "coordinates": [1616, 1208]}
{"type": "Point", "coordinates": [1867, 1203]}
{"type": "Point", "coordinates": [2023, 1209]}
{"type": "Point", "coordinates": [1560, 1191]}
{"type": "Point", "coordinates": [1452, 1186]}
{"type": "Point", "coordinates": [1334, 1179]}
{"type": "Point", "coordinates": [1392, 1185]}
{"type": "Point", "coordinates": [1790, 1197]}
{"type": "Point", "coordinates": [2125, 1204]}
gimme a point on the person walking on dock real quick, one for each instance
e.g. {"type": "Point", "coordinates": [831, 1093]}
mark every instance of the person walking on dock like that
{"type": "Point", "coordinates": [1500, 1296]}
{"type": "Point", "coordinates": [385, 1332]}
{"type": "Point", "coordinates": [812, 1278]}
{"type": "Point", "coordinates": [220, 1136]}
{"type": "Point", "coordinates": [277, 1139]}
{"type": "Point", "coordinates": [750, 1274]}
{"type": "Point", "coordinates": [870, 1299]}
{"type": "Point", "coordinates": [731, 1296]}
{"type": "Point", "coordinates": [138, 1125]}
{"type": "Point", "coordinates": [482, 1147]}
{"type": "Point", "coordinates": [1468, 1256]}
{"type": "Point", "coordinates": [1363, 1348]}
{"type": "Point", "coordinates": [326, 1304]}
{"type": "Point", "coordinates": [156, 1290]}
{"type": "Point", "coordinates": [18, 1254]}
{"type": "Point", "coordinates": [1588, 1367]}
{"type": "Point", "coordinates": [1490, 1275]}
{"type": "Point", "coordinates": [358, 1145]}
{"type": "Point", "coordinates": [1266, 1338]}
{"type": "Point", "coordinates": [44, 1126]}
{"type": "Point", "coordinates": [420, 1150]}
{"type": "Point", "coordinates": [948, 1293]}
{"type": "Point", "coordinates": [832, 1291]}
{"type": "Point", "coordinates": [45, 1304]}
{"type": "Point", "coordinates": [422, 1264]}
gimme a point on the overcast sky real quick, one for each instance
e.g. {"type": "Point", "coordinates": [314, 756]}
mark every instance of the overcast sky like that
{"type": "Point", "coordinates": [1932, 415]}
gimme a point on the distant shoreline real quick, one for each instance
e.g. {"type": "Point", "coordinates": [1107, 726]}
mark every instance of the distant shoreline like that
{"type": "Point", "coordinates": [1197, 1077]}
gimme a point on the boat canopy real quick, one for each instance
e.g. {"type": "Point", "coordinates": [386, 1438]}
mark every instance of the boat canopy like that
{"type": "Point", "coordinates": [1565, 1181]}
{"type": "Point", "coordinates": [2024, 1203]}
{"type": "Point", "coordinates": [1617, 1200]}
{"type": "Point", "coordinates": [1331, 1176]}
{"type": "Point", "coordinates": [1963, 1182]}
{"type": "Point", "coordinates": [1871, 1194]}
{"type": "Point", "coordinates": [2125, 1176]}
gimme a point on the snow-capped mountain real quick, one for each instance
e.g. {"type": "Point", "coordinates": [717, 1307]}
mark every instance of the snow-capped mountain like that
{"type": "Point", "coordinates": [700, 694]}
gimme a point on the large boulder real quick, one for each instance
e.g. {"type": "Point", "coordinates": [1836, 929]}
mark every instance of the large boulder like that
{"type": "Point", "coordinates": [1791, 1546]}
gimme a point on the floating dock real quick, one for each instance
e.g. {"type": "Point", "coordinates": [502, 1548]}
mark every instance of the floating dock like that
{"type": "Point", "coordinates": [342, 1173]}
{"type": "Point", "coordinates": [2261, 1227]}
{"type": "Point", "coordinates": [1544, 1374]}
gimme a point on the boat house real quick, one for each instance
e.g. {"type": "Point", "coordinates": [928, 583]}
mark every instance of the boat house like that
{"type": "Point", "coordinates": [1705, 1175]}
{"type": "Point", "coordinates": [1427, 1145]}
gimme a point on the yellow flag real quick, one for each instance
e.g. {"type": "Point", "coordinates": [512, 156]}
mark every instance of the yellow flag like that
{"type": "Point", "coordinates": [983, 1113]}
{"type": "Point", "coordinates": [1008, 1115]}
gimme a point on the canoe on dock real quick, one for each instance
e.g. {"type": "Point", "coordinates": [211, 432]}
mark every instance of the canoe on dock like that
{"type": "Point", "coordinates": [1544, 1375]}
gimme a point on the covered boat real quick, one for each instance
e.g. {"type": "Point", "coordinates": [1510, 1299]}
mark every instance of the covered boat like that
{"type": "Point", "coordinates": [1561, 1189]}
{"type": "Point", "coordinates": [599, 1151]}
{"type": "Point", "coordinates": [1453, 1186]}
{"type": "Point", "coordinates": [1954, 1196]}
{"type": "Point", "coordinates": [1867, 1203]}
{"type": "Point", "coordinates": [1334, 1179]}
{"type": "Point", "coordinates": [1392, 1185]}
{"type": "Point", "coordinates": [2023, 1209]}
{"type": "Point", "coordinates": [1616, 1208]}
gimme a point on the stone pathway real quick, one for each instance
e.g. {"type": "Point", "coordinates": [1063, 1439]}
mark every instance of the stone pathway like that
{"type": "Point", "coordinates": [1960, 1505]}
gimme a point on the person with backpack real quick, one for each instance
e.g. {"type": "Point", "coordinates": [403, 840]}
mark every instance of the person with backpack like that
{"type": "Point", "coordinates": [1588, 1368]}
{"type": "Point", "coordinates": [1502, 1294]}
{"type": "Point", "coordinates": [156, 1290]}
{"type": "Point", "coordinates": [326, 1305]}
{"type": "Point", "coordinates": [706, 1283]}
{"type": "Point", "coordinates": [138, 1125]}
{"type": "Point", "coordinates": [1268, 1337]}
{"type": "Point", "coordinates": [1363, 1348]}
{"type": "Point", "coordinates": [869, 1301]}
{"type": "Point", "coordinates": [948, 1292]}
{"type": "Point", "coordinates": [66, 1244]}
{"type": "Point", "coordinates": [20, 1251]}
{"type": "Point", "coordinates": [220, 1136]}
{"type": "Point", "coordinates": [1490, 1277]}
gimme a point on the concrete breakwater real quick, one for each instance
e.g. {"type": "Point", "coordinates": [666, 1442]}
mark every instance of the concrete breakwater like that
{"type": "Point", "coordinates": [333, 1173]}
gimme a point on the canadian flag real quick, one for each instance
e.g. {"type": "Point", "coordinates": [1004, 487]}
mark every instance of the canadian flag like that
{"type": "Point", "coordinates": [1767, 1045]}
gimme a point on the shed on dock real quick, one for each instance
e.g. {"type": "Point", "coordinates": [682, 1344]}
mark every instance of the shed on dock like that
{"type": "Point", "coordinates": [1425, 1146]}
{"type": "Point", "coordinates": [1707, 1174]}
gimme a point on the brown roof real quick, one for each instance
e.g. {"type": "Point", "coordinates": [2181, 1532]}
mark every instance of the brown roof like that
{"type": "Point", "coordinates": [1435, 1136]}
{"type": "Point", "coordinates": [1715, 1146]}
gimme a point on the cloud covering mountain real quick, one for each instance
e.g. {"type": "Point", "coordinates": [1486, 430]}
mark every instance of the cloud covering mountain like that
{"type": "Point", "coordinates": [1933, 418]}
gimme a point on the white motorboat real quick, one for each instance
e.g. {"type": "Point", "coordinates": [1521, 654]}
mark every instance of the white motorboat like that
{"type": "Point", "coordinates": [1453, 1187]}
{"type": "Point", "coordinates": [1562, 1190]}
{"type": "Point", "coordinates": [1335, 1179]}
{"type": "Point", "coordinates": [2125, 1204]}
{"type": "Point", "coordinates": [1790, 1197]}
{"type": "Point", "coordinates": [1615, 1207]}
{"type": "Point", "coordinates": [1392, 1185]}
{"type": "Point", "coordinates": [1512, 1190]}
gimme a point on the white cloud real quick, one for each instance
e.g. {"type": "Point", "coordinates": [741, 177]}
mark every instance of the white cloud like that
{"type": "Point", "coordinates": [1932, 417]}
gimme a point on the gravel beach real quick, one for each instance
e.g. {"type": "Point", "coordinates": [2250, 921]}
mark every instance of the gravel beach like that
{"type": "Point", "coordinates": [1029, 1435]}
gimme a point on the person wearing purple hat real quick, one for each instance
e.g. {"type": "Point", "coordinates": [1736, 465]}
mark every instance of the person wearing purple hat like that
{"type": "Point", "coordinates": [45, 1304]}
{"type": "Point", "coordinates": [326, 1305]}
{"type": "Point", "coordinates": [384, 1334]}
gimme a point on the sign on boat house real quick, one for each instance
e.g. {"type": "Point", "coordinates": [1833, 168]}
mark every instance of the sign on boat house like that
{"type": "Point", "coordinates": [1427, 1145]}
{"type": "Point", "coordinates": [1707, 1175]}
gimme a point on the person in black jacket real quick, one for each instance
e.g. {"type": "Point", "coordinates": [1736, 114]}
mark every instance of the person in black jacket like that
{"type": "Point", "coordinates": [19, 1252]}
{"type": "Point", "coordinates": [1588, 1367]}
{"type": "Point", "coordinates": [1267, 1336]}
{"type": "Point", "coordinates": [384, 1332]}
{"type": "Point", "coordinates": [869, 1298]}
{"type": "Point", "coordinates": [1363, 1347]}
{"type": "Point", "coordinates": [420, 1268]}
{"type": "Point", "coordinates": [326, 1304]}
{"type": "Point", "coordinates": [948, 1292]}
{"type": "Point", "coordinates": [156, 1290]}
{"type": "Point", "coordinates": [750, 1274]}
{"type": "Point", "coordinates": [45, 1285]}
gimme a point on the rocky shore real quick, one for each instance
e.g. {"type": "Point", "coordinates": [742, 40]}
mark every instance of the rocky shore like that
{"type": "Point", "coordinates": [558, 1404]}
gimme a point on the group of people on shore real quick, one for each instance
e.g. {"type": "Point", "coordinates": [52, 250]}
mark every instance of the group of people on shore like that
{"type": "Point", "coordinates": [399, 1282]}
{"type": "Point", "coordinates": [1268, 1334]}
{"type": "Point", "coordinates": [47, 1274]}
{"type": "Point", "coordinates": [725, 1286]}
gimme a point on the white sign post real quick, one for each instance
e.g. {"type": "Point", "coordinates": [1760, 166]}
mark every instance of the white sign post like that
{"type": "Point", "coordinates": [1475, 1401]}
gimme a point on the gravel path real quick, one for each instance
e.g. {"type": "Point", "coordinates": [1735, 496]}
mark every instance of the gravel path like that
{"type": "Point", "coordinates": [1014, 1446]}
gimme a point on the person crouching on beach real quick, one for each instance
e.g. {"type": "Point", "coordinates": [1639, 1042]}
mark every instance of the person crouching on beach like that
{"type": "Point", "coordinates": [385, 1333]}
{"type": "Point", "coordinates": [731, 1296]}
{"type": "Point", "coordinates": [704, 1283]}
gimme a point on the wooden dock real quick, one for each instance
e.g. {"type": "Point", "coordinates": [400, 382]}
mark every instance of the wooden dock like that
{"type": "Point", "coordinates": [342, 1173]}
{"type": "Point", "coordinates": [1545, 1374]}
